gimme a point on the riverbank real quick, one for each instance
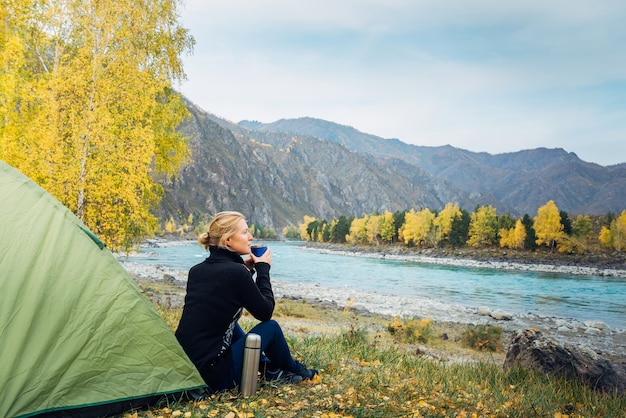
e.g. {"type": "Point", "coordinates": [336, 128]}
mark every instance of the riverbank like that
{"type": "Point", "coordinates": [596, 264]}
{"type": "Point", "coordinates": [592, 334]}
{"type": "Point", "coordinates": [595, 335]}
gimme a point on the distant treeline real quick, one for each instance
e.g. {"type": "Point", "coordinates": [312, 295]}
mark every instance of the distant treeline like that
{"type": "Point", "coordinates": [455, 227]}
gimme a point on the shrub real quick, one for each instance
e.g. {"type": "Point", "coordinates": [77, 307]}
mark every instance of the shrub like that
{"type": "Point", "coordinates": [355, 334]}
{"type": "Point", "coordinates": [411, 330]}
{"type": "Point", "coordinates": [482, 337]}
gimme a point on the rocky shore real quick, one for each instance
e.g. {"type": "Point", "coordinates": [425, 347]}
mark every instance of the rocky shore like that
{"type": "Point", "coordinates": [591, 264]}
{"type": "Point", "coordinates": [595, 335]}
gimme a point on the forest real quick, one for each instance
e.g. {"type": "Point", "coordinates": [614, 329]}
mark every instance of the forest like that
{"type": "Point", "coordinates": [551, 228]}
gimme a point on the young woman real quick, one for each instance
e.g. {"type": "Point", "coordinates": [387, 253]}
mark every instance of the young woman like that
{"type": "Point", "coordinates": [218, 289]}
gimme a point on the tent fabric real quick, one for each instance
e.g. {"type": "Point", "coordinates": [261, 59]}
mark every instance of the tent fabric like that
{"type": "Point", "coordinates": [75, 329]}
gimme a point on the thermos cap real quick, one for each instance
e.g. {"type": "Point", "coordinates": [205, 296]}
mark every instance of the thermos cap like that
{"type": "Point", "coordinates": [253, 341]}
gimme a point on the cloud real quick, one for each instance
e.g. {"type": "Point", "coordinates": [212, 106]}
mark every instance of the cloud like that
{"type": "Point", "coordinates": [486, 76]}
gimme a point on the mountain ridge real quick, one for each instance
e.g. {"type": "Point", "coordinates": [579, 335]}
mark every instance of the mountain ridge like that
{"type": "Point", "coordinates": [277, 173]}
{"type": "Point", "coordinates": [503, 175]}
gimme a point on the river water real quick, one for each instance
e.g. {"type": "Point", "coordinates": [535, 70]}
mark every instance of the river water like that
{"type": "Point", "coordinates": [579, 297]}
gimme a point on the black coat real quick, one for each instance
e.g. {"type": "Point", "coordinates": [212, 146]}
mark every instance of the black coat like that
{"type": "Point", "coordinates": [217, 291]}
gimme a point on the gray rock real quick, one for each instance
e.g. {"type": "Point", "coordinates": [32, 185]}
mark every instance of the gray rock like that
{"type": "Point", "coordinates": [169, 278]}
{"type": "Point", "coordinates": [560, 322]}
{"type": "Point", "coordinates": [531, 349]}
{"type": "Point", "coordinates": [596, 324]}
{"type": "Point", "coordinates": [484, 311]}
{"type": "Point", "coordinates": [501, 315]}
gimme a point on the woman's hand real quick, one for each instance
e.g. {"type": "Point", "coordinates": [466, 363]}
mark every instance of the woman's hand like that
{"type": "Point", "coordinates": [249, 262]}
{"type": "Point", "coordinates": [265, 258]}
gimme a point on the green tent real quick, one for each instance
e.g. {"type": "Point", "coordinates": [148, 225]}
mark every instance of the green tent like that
{"type": "Point", "coordinates": [77, 336]}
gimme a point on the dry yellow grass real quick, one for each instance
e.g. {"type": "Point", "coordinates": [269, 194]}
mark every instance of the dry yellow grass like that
{"type": "Point", "coordinates": [366, 372]}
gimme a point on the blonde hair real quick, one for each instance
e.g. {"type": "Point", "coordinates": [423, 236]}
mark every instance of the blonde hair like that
{"type": "Point", "coordinates": [221, 227]}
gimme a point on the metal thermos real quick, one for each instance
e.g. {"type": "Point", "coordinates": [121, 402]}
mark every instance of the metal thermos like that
{"type": "Point", "coordinates": [250, 370]}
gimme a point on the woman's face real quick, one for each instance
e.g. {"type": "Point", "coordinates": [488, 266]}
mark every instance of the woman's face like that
{"type": "Point", "coordinates": [241, 239]}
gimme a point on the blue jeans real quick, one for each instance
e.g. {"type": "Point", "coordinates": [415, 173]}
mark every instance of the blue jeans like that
{"type": "Point", "coordinates": [274, 350]}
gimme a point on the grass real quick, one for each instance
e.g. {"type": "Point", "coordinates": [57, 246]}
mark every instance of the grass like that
{"type": "Point", "coordinates": [366, 371]}
{"type": "Point", "coordinates": [482, 337]}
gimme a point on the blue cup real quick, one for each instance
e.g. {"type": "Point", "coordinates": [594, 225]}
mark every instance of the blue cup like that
{"type": "Point", "coordinates": [258, 250]}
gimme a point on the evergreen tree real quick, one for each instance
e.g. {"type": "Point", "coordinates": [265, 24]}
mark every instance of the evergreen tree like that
{"type": "Point", "coordinates": [505, 221]}
{"type": "Point", "coordinates": [566, 222]}
{"type": "Point", "coordinates": [530, 242]}
{"type": "Point", "coordinates": [325, 233]}
{"type": "Point", "coordinates": [315, 230]}
{"type": "Point", "coordinates": [460, 229]}
{"type": "Point", "coordinates": [339, 230]}
{"type": "Point", "coordinates": [305, 230]}
{"type": "Point", "coordinates": [398, 221]}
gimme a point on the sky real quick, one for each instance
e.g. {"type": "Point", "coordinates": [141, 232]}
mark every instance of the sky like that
{"type": "Point", "coordinates": [485, 75]}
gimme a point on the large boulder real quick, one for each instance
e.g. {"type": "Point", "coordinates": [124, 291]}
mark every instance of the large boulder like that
{"type": "Point", "coordinates": [531, 349]}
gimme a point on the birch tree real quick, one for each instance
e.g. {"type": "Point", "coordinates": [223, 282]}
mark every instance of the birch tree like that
{"type": "Point", "coordinates": [88, 110]}
{"type": "Point", "coordinates": [615, 235]}
{"type": "Point", "coordinates": [445, 218]}
{"type": "Point", "coordinates": [548, 226]}
{"type": "Point", "coordinates": [483, 226]}
{"type": "Point", "coordinates": [418, 227]}
{"type": "Point", "coordinates": [513, 237]}
{"type": "Point", "coordinates": [387, 227]}
{"type": "Point", "coordinates": [358, 231]}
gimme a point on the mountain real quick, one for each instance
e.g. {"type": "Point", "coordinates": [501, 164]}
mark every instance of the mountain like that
{"type": "Point", "coordinates": [277, 173]}
{"type": "Point", "coordinates": [521, 181]}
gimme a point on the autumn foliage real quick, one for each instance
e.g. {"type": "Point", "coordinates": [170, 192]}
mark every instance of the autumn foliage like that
{"type": "Point", "coordinates": [455, 227]}
{"type": "Point", "coordinates": [87, 108]}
